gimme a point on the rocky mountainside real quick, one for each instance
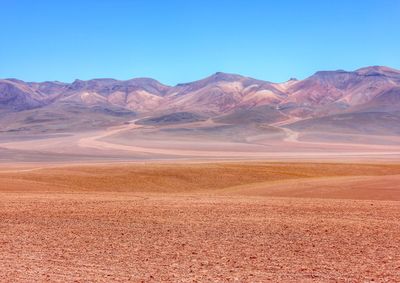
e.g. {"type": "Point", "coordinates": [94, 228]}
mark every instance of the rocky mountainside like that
{"type": "Point", "coordinates": [225, 97]}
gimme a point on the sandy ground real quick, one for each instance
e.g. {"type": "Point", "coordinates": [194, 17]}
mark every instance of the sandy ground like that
{"type": "Point", "coordinates": [204, 222]}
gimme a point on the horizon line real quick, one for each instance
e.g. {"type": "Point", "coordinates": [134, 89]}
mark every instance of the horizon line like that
{"type": "Point", "coordinates": [212, 74]}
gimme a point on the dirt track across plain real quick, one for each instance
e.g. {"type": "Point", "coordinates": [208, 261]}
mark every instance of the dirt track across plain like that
{"type": "Point", "coordinates": [133, 142]}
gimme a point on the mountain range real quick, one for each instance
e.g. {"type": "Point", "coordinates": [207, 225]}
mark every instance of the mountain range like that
{"type": "Point", "coordinates": [365, 100]}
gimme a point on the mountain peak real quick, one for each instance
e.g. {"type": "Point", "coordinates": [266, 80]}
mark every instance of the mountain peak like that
{"type": "Point", "coordinates": [220, 76]}
{"type": "Point", "coordinates": [14, 80]}
{"type": "Point", "coordinates": [144, 80]}
{"type": "Point", "coordinates": [377, 70]}
{"type": "Point", "coordinates": [214, 78]}
{"type": "Point", "coordinates": [328, 73]}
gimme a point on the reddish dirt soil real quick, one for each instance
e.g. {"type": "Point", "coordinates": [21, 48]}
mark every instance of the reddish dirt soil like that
{"type": "Point", "coordinates": [201, 223]}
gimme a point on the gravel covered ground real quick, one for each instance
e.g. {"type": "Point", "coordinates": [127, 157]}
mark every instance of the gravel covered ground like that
{"type": "Point", "coordinates": [88, 236]}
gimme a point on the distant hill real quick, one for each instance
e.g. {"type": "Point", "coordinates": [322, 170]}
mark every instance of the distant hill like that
{"type": "Point", "coordinates": [365, 100]}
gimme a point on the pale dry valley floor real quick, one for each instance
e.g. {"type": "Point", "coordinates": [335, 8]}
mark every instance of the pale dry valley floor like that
{"type": "Point", "coordinates": [200, 222]}
{"type": "Point", "coordinates": [208, 140]}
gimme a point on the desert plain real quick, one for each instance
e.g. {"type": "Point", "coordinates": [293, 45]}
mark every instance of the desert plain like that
{"type": "Point", "coordinates": [144, 203]}
{"type": "Point", "coordinates": [202, 221]}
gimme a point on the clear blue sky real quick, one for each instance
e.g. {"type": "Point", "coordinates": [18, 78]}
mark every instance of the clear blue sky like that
{"type": "Point", "coordinates": [183, 40]}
